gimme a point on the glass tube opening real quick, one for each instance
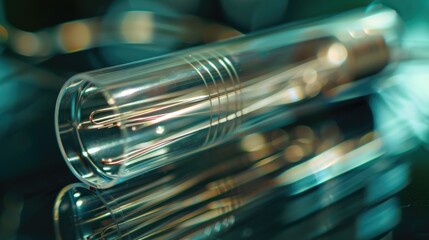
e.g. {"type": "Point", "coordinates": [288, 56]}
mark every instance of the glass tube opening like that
{"type": "Point", "coordinates": [80, 213]}
{"type": "Point", "coordinates": [86, 147]}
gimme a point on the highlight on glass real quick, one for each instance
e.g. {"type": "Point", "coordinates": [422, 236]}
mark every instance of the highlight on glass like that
{"type": "Point", "coordinates": [116, 123]}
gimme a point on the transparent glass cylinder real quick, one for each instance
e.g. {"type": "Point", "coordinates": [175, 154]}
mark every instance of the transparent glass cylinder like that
{"type": "Point", "coordinates": [297, 182]}
{"type": "Point", "coordinates": [116, 123]}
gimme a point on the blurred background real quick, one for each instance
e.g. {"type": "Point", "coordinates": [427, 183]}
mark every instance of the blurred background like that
{"type": "Point", "coordinates": [44, 42]}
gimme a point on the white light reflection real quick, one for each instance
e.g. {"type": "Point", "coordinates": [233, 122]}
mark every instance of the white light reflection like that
{"type": "Point", "coordinates": [382, 20]}
{"type": "Point", "coordinates": [293, 94]}
{"type": "Point", "coordinates": [93, 150]}
{"type": "Point", "coordinates": [160, 130]}
{"type": "Point", "coordinates": [128, 92]}
{"type": "Point", "coordinates": [337, 54]}
{"type": "Point", "coordinates": [74, 159]}
{"type": "Point", "coordinates": [332, 163]}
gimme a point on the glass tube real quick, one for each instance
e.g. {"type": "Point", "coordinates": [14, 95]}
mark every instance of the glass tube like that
{"type": "Point", "coordinates": [270, 184]}
{"type": "Point", "coordinates": [116, 123]}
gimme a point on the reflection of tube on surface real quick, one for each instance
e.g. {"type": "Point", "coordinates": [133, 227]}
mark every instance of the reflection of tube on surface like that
{"type": "Point", "coordinates": [116, 123]}
{"type": "Point", "coordinates": [257, 183]}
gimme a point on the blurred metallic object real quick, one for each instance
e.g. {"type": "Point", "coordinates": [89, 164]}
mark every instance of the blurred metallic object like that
{"type": "Point", "coordinates": [130, 27]}
{"type": "Point", "coordinates": [401, 98]}
{"type": "Point", "coordinates": [114, 124]}
{"type": "Point", "coordinates": [401, 104]}
{"type": "Point", "coordinates": [254, 188]}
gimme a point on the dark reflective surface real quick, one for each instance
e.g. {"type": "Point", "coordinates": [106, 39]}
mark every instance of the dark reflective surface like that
{"type": "Point", "coordinates": [33, 172]}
